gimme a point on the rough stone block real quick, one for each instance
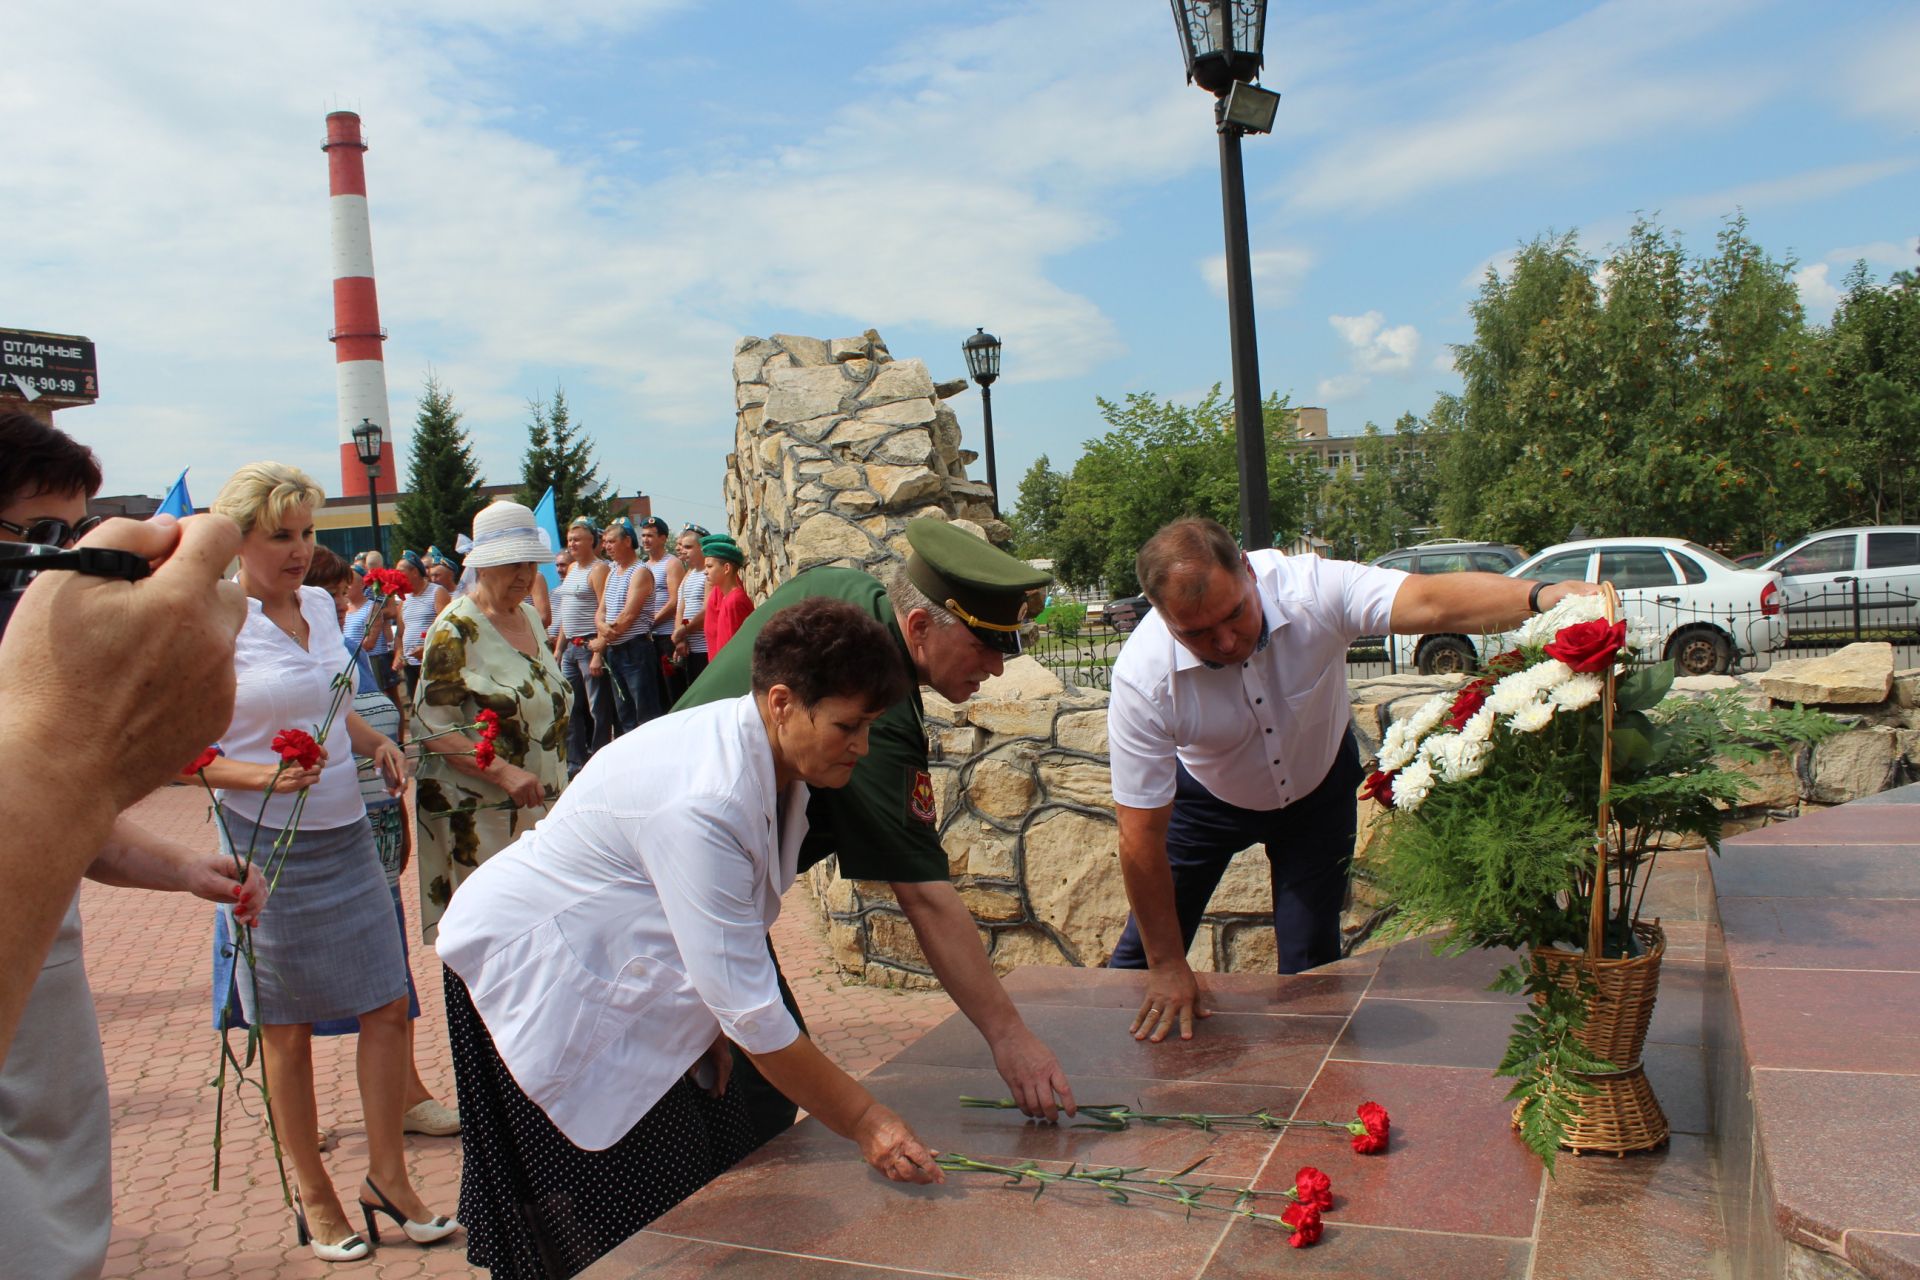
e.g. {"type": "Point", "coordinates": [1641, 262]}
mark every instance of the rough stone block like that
{"type": "Point", "coordinates": [841, 350]}
{"type": "Point", "coordinates": [1073, 881]}
{"type": "Point", "coordinates": [974, 848]}
{"type": "Point", "coordinates": [1022, 677]}
{"type": "Point", "coordinates": [955, 744]}
{"type": "Point", "coordinates": [1078, 782]}
{"type": "Point", "coordinates": [1847, 766]}
{"type": "Point", "coordinates": [849, 949]}
{"type": "Point", "coordinates": [1250, 949]}
{"type": "Point", "coordinates": [890, 937]}
{"type": "Point", "coordinates": [1000, 789]}
{"type": "Point", "coordinates": [795, 395]}
{"type": "Point", "coordinates": [1015, 947]}
{"type": "Point", "coordinates": [950, 388]}
{"type": "Point", "coordinates": [804, 350]}
{"type": "Point", "coordinates": [1082, 731]}
{"type": "Point", "coordinates": [946, 788]}
{"type": "Point", "coordinates": [889, 978]}
{"type": "Point", "coordinates": [854, 502]}
{"type": "Point", "coordinates": [1246, 888]}
{"type": "Point", "coordinates": [1906, 687]}
{"type": "Point", "coordinates": [1859, 673]}
{"type": "Point", "coordinates": [939, 710]}
{"type": "Point", "coordinates": [970, 527]}
{"type": "Point", "coordinates": [1204, 955]}
{"type": "Point", "coordinates": [910, 448]}
{"type": "Point", "coordinates": [900, 486]}
{"type": "Point", "coordinates": [994, 906]}
{"type": "Point", "coordinates": [901, 413]}
{"type": "Point", "coordinates": [899, 380]}
{"type": "Point", "coordinates": [1776, 777]}
{"type": "Point", "coordinates": [1012, 717]}
{"type": "Point", "coordinates": [825, 537]}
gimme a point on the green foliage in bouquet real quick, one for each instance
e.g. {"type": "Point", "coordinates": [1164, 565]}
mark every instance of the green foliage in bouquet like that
{"type": "Point", "coordinates": [1491, 830]}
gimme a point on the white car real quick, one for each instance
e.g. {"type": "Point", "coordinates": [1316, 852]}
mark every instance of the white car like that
{"type": "Point", "coordinates": [1710, 613]}
{"type": "Point", "coordinates": [1843, 579]}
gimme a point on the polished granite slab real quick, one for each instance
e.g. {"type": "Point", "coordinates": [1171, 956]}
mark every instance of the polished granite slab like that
{"type": "Point", "coordinates": [1456, 1196]}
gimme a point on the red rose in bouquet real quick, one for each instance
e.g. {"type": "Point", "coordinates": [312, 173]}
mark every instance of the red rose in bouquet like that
{"type": "Point", "coordinates": [1588, 646]}
{"type": "Point", "coordinates": [1369, 1130]}
{"type": "Point", "coordinates": [297, 747]}
{"type": "Point", "coordinates": [1378, 786]}
{"type": "Point", "coordinates": [1305, 1221]}
{"type": "Point", "coordinates": [1314, 1188]}
{"type": "Point", "coordinates": [1471, 699]}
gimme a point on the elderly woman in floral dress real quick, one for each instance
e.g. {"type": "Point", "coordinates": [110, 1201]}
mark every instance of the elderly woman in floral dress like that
{"type": "Point", "coordinates": [486, 652]}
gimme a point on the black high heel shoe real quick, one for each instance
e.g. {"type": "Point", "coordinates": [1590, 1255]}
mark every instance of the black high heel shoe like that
{"type": "Point", "coordinates": [421, 1233]}
{"type": "Point", "coordinates": [352, 1249]}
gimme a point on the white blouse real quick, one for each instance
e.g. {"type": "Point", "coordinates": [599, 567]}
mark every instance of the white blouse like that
{"type": "Point", "coordinates": [608, 946]}
{"type": "Point", "coordinates": [282, 686]}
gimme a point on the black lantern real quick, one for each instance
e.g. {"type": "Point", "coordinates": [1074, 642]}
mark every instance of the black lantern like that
{"type": "Point", "coordinates": [368, 440]}
{"type": "Point", "coordinates": [1221, 40]}
{"type": "Point", "coordinates": [983, 362]}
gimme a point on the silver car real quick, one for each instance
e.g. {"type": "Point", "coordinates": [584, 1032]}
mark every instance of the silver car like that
{"type": "Point", "coordinates": [1865, 578]}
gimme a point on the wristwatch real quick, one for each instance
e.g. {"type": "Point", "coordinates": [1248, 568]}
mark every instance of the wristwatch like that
{"type": "Point", "coordinates": [1533, 598]}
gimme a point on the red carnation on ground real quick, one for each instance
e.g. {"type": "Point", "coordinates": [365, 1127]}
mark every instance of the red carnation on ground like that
{"type": "Point", "coordinates": [1588, 646]}
{"type": "Point", "coordinates": [390, 583]}
{"type": "Point", "coordinates": [1369, 1129]}
{"type": "Point", "coordinates": [1378, 786]}
{"type": "Point", "coordinates": [483, 752]}
{"type": "Point", "coordinates": [201, 761]}
{"type": "Point", "coordinates": [1305, 1221]}
{"type": "Point", "coordinates": [296, 747]}
{"type": "Point", "coordinates": [1314, 1188]}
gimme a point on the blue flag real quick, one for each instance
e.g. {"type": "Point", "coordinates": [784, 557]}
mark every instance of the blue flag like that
{"type": "Point", "coordinates": [544, 518]}
{"type": "Point", "coordinates": [177, 503]}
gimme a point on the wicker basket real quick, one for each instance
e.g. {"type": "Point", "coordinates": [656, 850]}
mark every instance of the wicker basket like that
{"type": "Point", "coordinates": [1622, 1115]}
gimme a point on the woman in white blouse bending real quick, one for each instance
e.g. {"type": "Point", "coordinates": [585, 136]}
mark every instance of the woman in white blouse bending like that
{"type": "Point", "coordinates": [599, 966]}
{"type": "Point", "coordinates": [327, 945]}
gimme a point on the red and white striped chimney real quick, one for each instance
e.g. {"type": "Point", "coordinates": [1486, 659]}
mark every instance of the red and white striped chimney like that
{"type": "Point", "coordinates": [359, 371]}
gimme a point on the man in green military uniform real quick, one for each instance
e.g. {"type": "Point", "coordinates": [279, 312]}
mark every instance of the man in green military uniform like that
{"type": "Point", "coordinates": [955, 607]}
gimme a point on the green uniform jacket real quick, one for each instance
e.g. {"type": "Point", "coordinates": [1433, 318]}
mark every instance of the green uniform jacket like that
{"type": "Point", "coordinates": [882, 822]}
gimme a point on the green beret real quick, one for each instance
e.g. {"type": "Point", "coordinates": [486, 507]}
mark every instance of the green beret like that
{"type": "Point", "coordinates": [974, 580]}
{"type": "Point", "coordinates": [721, 546]}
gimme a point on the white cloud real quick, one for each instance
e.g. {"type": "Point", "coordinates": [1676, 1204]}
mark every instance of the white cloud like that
{"type": "Point", "coordinates": [1818, 293]}
{"type": "Point", "coordinates": [1375, 348]}
{"type": "Point", "coordinates": [1812, 184]}
{"type": "Point", "coordinates": [1342, 386]}
{"type": "Point", "coordinates": [1277, 274]}
{"type": "Point", "coordinates": [1881, 81]}
{"type": "Point", "coordinates": [1898, 254]}
{"type": "Point", "coordinates": [1594, 81]}
{"type": "Point", "coordinates": [1443, 363]}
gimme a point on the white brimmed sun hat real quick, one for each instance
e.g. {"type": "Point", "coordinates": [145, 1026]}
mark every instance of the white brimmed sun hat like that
{"type": "Point", "coordinates": [505, 533]}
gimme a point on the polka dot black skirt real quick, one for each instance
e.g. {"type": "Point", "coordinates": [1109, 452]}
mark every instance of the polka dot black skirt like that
{"type": "Point", "coordinates": [535, 1206]}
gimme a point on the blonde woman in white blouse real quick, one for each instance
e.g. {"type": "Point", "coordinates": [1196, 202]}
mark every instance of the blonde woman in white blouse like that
{"type": "Point", "coordinates": [328, 945]}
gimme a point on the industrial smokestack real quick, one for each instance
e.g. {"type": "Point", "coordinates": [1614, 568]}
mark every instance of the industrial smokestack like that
{"type": "Point", "coordinates": [360, 372]}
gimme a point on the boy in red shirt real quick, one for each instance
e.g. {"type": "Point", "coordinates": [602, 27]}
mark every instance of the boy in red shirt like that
{"type": "Point", "coordinates": [727, 602]}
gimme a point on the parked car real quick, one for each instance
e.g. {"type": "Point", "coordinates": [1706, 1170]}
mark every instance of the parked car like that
{"type": "Point", "coordinates": [1840, 579]}
{"type": "Point", "coordinates": [1710, 614]}
{"type": "Point", "coordinates": [1451, 555]}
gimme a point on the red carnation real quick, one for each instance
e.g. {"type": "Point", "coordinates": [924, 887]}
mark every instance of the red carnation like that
{"type": "Point", "coordinates": [1466, 704]}
{"type": "Point", "coordinates": [296, 746]}
{"type": "Point", "coordinates": [201, 761]}
{"type": "Point", "coordinates": [1305, 1221]}
{"type": "Point", "coordinates": [1312, 1187]}
{"type": "Point", "coordinates": [1379, 786]}
{"type": "Point", "coordinates": [1369, 1130]}
{"type": "Point", "coordinates": [1588, 646]}
{"type": "Point", "coordinates": [390, 583]}
{"type": "Point", "coordinates": [489, 722]}
{"type": "Point", "coordinates": [483, 752]}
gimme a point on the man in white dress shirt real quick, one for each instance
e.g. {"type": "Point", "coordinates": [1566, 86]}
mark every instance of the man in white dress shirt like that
{"type": "Point", "coordinates": [1229, 726]}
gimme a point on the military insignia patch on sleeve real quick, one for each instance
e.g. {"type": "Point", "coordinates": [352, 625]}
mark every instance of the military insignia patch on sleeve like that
{"type": "Point", "coordinates": [920, 798]}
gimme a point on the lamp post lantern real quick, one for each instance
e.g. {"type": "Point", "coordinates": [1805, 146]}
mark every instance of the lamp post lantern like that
{"type": "Point", "coordinates": [983, 362]}
{"type": "Point", "coordinates": [367, 441]}
{"type": "Point", "coordinates": [1221, 42]}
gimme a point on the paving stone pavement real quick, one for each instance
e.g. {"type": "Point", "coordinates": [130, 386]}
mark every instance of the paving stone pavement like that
{"type": "Point", "coordinates": [148, 958]}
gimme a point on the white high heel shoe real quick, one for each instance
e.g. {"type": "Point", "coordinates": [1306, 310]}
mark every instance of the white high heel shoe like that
{"type": "Point", "coordinates": [352, 1249]}
{"type": "Point", "coordinates": [421, 1233]}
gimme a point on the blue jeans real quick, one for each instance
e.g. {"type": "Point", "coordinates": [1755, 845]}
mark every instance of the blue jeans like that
{"type": "Point", "coordinates": [633, 674]}
{"type": "Point", "coordinates": [590, 725]}
{"type": "Point", "coordinates": [1309, 847]}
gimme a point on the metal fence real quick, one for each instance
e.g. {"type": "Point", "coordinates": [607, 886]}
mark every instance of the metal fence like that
{"type": "Point", "coordinates": [1081, 649]}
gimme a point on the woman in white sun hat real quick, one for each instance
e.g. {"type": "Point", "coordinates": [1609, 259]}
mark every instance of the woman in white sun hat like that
{"type": "Point", "coordinates": [486, 652]}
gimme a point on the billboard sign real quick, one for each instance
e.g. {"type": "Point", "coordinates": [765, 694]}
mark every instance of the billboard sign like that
{"type": "Point", "coordinates": [52, 366]}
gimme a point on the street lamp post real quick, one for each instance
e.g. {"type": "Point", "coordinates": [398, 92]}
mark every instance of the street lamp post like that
{"type": "Point", "coordinates": [367, 441]}
{"type": "Point", "coordinates": [983, 362]}
{"type": "Point", "coordinates": [1221, 41]}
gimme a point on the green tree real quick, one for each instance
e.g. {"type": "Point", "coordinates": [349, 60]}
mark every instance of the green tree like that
{"type": "Point", "coordinates": [1870, 394]}
{"type": "Point", "coordinates": [443, 479]}
{"type": "Point", "coordinates": [1035, 518]}
{"type": "Point", "coordinates": [1160, 461]}
{"type": "Point", "coordinates": [560, 456]}
{"type": "Point", "coordinates": [1358, 512]}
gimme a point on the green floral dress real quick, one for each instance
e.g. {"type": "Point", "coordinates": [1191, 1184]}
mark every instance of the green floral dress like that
{"type": "Point", "coordinates": [468, 666]}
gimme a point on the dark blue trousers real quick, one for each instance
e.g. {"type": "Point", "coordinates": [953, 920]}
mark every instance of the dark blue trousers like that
{"type": "Point", "coordinates": [1309, 848]}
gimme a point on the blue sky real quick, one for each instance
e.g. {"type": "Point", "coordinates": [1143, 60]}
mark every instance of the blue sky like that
{"type": "Point", "coordinates": [605, 195]}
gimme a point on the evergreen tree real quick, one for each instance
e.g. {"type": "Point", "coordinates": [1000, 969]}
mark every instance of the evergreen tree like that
{"type": "Point", "coordinates": [1035, 517]}
{"type": "Point", "coordinates": [560, 456]}
{"type": "Point", "coordinates": [443, 479]}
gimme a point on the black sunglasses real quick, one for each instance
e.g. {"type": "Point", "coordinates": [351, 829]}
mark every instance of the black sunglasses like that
{"type": "Point", "coordinates": [52, 531]}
